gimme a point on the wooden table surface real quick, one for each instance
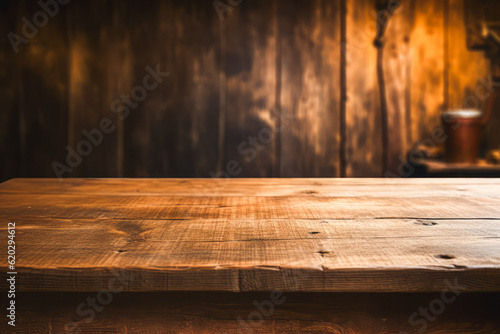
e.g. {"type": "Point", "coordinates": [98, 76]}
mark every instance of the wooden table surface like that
{"type": "Point", "coordinates": [315, 235]}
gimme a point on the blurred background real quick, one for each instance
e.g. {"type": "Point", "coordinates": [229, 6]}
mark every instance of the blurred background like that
{"type": "Point", "coordinates": [255, 88]}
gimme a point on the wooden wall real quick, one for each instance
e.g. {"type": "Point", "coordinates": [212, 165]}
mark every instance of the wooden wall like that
{"type": "Point", "coordinates": [301, 74]}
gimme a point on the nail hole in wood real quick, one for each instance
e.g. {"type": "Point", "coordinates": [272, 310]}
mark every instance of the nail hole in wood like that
{"type": "Point", "coordinates": [313, 232]}
{"type": "Point", "coordinates": [121, 251]}
{"type": "Point", "coordinates": [322, 253]}
{"type": "Point", "coordinates": [444, 256]}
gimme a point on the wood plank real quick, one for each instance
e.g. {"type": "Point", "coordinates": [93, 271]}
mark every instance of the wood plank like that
{"type": "Point", "coordinates": [363, 129]}
{"type": "Point", "coordinates": [359, 240]}
{"type": "Point", "coordinates": [250, 60]}
{"type": "Point", "coordinates": [9, 76]}
{"type": "Point", "coordinates": [427, 68]}
{"type": "Point", "coordinates": [231, 313]}
{"type": "Point", "coordinates": [120, 79]}
{"type": "Point", "coordinates": [42, 93]}
{"type": "Point", "coordinates": [403, 188]}
{"type": "Point", "coordinates": [396, 62]}
{"type": "Point", "coordinates": [310, 88]}
{"type": "Point", "coordinates": [163, 243]}
{"type": "Point", "coordinates": [248, 255]}
{"type": "Point", "coordinates": [210, 207]}
{"type": "Point", "coordinates": [174, 131]}
{"type": "Point", "coordinates": [152, 124]}
{"type": "Point", "coordinates": [90, 92]}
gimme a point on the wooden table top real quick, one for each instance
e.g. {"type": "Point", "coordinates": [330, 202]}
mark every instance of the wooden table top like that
{"type": "Point", "coordinates": [363, 235]}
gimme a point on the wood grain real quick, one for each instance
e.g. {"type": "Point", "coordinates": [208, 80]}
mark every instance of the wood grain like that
{"type": "Point", "coordinates": [345, 234]}
{"type": "Point", "coordinates": [250, 60]}
{"type": "Point", "coordinates": [314, 60]}
{"type": "Point", "coordinates": [174, 131]}
{"type": "Point", "coordinates": [9, 117]}
{"type": "Point", "coordinates": [90, 92]}
{"type": "Point", "coordinates": [310, 92]}
{"type": "Point", "coordinates": [42, 94]}
{"type": "Point", "coordinates": [363, 130]}
{"type": "Point", "coordinates": [427, 68]}
{"type": "Point", "coordinates": [466, 67]}
{"type": "Point", "coordinates": [396, 64]}
{"type": "Point", "coordinates": [229, 313]}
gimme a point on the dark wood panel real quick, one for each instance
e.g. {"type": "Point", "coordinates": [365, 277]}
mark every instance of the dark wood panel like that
{"type": "Point", "coordinates": [234, 74]}
{"type": "Point", "coordinates": [310, 88]}
{"type": "Point", "coordinates": [174, 131]}
{"type": "Point", "coordinates": [250, 70]}
{"type": "Point", "coordinates": [91, 42]}
{"type": "Point", "coordinates": [42, 91]}
{"type": "Point", "coordinates": [9, 76]}
{"type": "Point", "coordinates": [258, 313]}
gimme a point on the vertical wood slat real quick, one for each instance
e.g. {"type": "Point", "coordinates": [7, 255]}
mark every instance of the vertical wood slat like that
{"type": "Point", "coordinates": [363, 130]}
{"type": "Point", "coordinates": [150, 124]}
{"type": "Point", "coordinates": [90, 42]}
{"type": "Point", "coordinates": [396, 78]}
{"type": "Point", "coordinates": [174, 131]}
{"type": "Point", "coordinates": [427, 68]}
{"type": "Point", "coordinates": [310, 88]}
{"type": "Point", "coordinates": [202, 97]}
{"type": "Point", "coordinates": [250, 61]}
{"type": "Point", "coordinates": [41, 92]}
{"type": "Point", "coordinates": [9, 115]}
{"type": "Point", "coordinates": [120, 76]}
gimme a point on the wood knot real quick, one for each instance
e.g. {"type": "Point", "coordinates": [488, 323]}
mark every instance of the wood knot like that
{"type": "Point", "coordinates": [424, 222]}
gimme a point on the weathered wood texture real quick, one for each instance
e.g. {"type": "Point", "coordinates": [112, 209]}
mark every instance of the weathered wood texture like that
{"type": "Point", "coordinates": [349, 235]}
{"type": "Point", "coordinates": [363, 128]}
{"type": "Point", "coordinates": [237, 313]}
{"type": "Point", "coordinates": [260, 82]}
{"type": "Point", "coordinates": [310, 93]}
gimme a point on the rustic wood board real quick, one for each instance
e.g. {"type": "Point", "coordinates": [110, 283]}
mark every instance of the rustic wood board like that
{"type": "Point", "coordinates": [427, 88]}
{"type": "Point", "coordinates": [362, 235]}
{"type": "Point", "coordinates": [250, 73]}
{"type": "Point", "coordinates": [314, 60]}
{"type": "Point", "coordinates": [310, 35]}
{"type": "Point", "coordinates": [362, 110]}
{"type": "Point", "coordinates": [396, 70]}
{"type": "Point", "coordinates": [92, 89]}
{"type": "Point", "coordinates": [42, 92]}
{"type": "Point", "coordinates": [10, 141]}
{"type": "Point", "coordinates": [197, 312]}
